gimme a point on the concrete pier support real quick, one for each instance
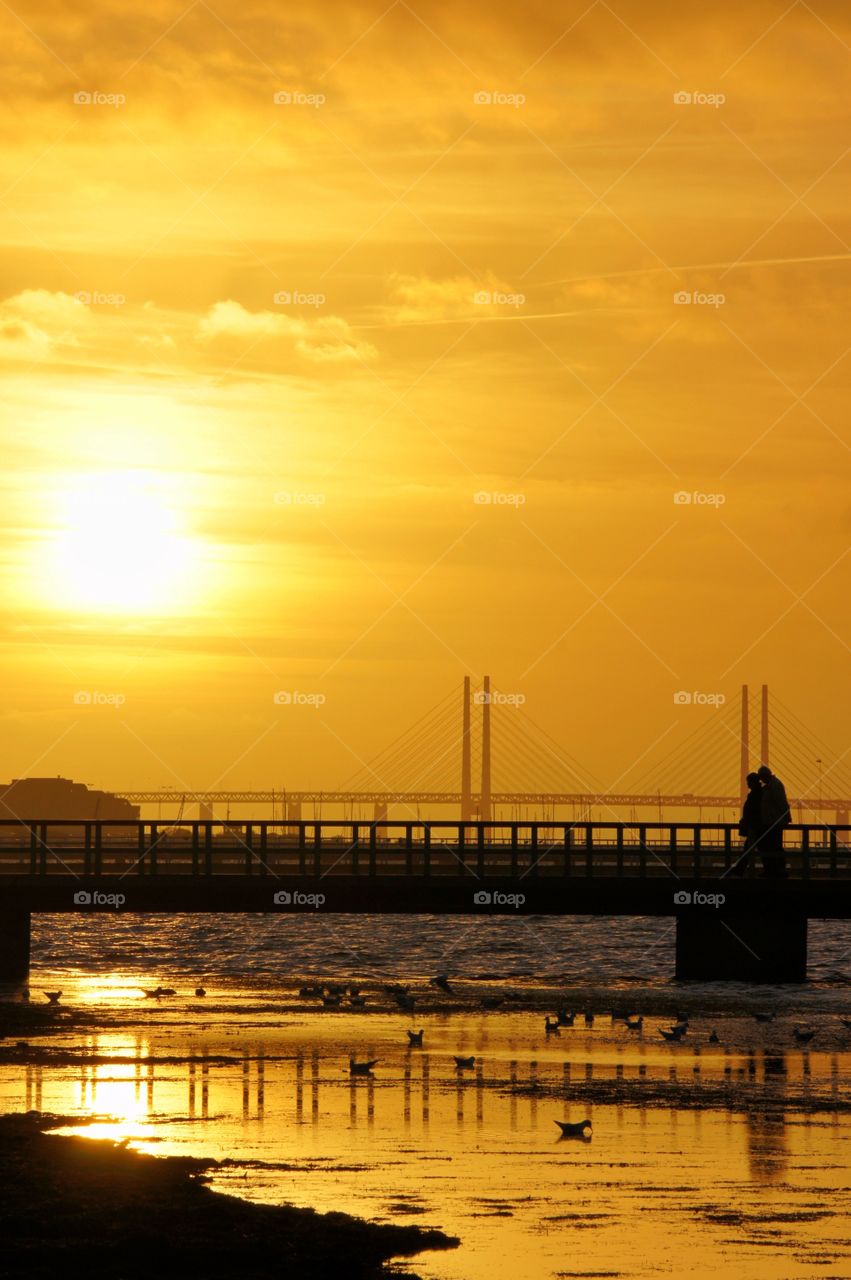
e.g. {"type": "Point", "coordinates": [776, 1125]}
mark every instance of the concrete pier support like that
{"type": "Point", "coordinates": [14, 944]}
{"type": "Point", "coordinates": [769, 947]}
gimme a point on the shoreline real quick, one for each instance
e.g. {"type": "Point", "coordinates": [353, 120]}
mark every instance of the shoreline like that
{"type": "Point", "coordinates": [116, 1211]}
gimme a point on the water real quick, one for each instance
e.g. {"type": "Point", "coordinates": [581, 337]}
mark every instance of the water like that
{"type": "Point", "coordinates": [706, 1160]}
{"type": "Point", "coordinates": [583, 950]}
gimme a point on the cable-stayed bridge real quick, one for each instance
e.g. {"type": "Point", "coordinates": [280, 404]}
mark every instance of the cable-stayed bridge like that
{"type": "Point", "coordinates": [479, 754]}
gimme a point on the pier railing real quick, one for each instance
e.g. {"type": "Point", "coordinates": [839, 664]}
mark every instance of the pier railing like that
{"type": "Point", "coordinates": [415, 848]}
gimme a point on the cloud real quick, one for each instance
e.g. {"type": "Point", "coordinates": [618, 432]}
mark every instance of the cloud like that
{"type": "Point", "coordinates": [327, 339]}
{"type": "Point", "coordinates": [35, 320]}
{"type": "Point", "coordinates": [420, 299]}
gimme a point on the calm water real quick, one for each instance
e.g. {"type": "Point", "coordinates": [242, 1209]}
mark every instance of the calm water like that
{"type": "Point", "coordinates": [735, 1163]}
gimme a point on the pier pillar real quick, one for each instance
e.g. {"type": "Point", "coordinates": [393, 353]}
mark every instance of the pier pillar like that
{"type": "Point", "coordinates": [770, 947]}
{"type": "Point", "coordinates": [14, 944]}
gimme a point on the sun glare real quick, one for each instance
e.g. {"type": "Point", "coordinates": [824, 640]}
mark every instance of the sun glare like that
{"type": "Point", "coordinates": [119, 545]}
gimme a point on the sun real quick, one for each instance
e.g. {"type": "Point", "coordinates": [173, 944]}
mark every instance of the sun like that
{"type": "Point", "coordinates": [119, 545]}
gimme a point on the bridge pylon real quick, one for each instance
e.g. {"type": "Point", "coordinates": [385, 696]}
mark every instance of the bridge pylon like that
{"type": "Point", "coordinates": [466, 766]}
{"type": "Point", "coordinates": [485, 806]}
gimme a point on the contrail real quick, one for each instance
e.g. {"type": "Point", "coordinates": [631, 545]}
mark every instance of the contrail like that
{"type": "Point", "coordinates": [699, 266]}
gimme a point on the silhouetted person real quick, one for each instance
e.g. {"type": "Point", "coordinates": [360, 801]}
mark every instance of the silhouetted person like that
{"type": "Point", "coordinates": [750, 823]}
{"type": "Point", "coordinates": [775, 816]}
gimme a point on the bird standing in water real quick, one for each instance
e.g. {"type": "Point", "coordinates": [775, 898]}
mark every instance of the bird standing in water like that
{"type": "Point", "coordinates": [362, 1068]}
{"type": "Point", "coordinates": [571, 1130]}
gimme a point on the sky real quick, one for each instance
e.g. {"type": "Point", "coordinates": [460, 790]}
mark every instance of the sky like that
{"type": "Point", "coordinates": [349, 350]}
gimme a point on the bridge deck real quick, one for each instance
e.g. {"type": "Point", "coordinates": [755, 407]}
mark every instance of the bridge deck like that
{"type": "Point", "coordinates": [532, 868]}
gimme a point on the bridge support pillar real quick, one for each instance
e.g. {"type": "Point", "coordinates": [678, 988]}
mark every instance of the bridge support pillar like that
{"type": "Point", "coordinates": [768, 947]}
{"type": "Point", "coordinates": [14, 944]}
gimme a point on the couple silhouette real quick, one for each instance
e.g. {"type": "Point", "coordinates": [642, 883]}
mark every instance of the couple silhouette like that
{"type": "Point", "coordinates": [764, 815]}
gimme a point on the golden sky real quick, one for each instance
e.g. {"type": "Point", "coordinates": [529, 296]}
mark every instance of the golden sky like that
{"type": "Point", "coordinates": [285, 289]}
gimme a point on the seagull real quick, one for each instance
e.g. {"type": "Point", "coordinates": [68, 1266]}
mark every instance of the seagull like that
{"type": "Point", "coordinates": [675, 1033]}
{"type": "Point", "coordinates": [354, 992]}
{"type": "Point", "coordinates": [52, 996]}
{"type": "Point", "coordinates": [846, 1022]}
{"type": "Point", "coordinates": [396, 989]}
{"type": "Point", "coordinates": [309, 993]}
{"type": "Point", "coordinates": [361, 1068]}
{"type": "Point", "coordinates": [635, 1025]}
{"type": "Point", "coordinates": [589, 1019]}
{"type": "Point", "coordinates": [415, 1039]}
{"type": "Point", "coordinates": [166, 991]}
{"type": "Point", "coordinates": [569, 1130]}
{"type": "Point", "coordinates": [681, 1027]}
{"type": "Point", "coordinates": [766, 1017]}
{"type": "Point", "coordinates": [332, 1002]}
{"type": "Point", "coordinates": [492, 1002]}
{"type": "Point", "coordinates": [713, 1036]}
{"type": "Point", "coordinates": [565, 1019]}
{"type": "Point", "coordinates": [551, 1026]}
{"type": "Point", "coordinates": [357, 1002]}
{"type": "Point", "coordinates": [442, 981]}
{"type": "Point", "coordinates": [803, 1037]}
{"type": "Point", "coordinates": [408, 1003]}
{"type": "Point", "coordinates": [464, 1063]}
{"type": "Point", "coordinates": [199, 991]}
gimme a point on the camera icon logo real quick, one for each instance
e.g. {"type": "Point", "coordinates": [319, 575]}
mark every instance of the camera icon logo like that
{"type": "Point", "coordinates": [282, 698]}
{"type": "Point", "coordinates": [682, 698]}
{"type": "Point", "coordinates": [82, 99]}
{"type": "Point", "coordinates": [282, 98]}
{"type": "Point", "coordinates": [683, 298]}
{"type": "Point", "coordinates": [83, 698]}
{"type": "Point", "coordinates": [682, 98]}
{"type": "Point", "coordinates": [83, 297]}
{"type": "Point", "coordinates": [82, 898]}
{"type": "Point", "coordinates": [283, 898]}
{"type": "Point", "coordinates": [283, 298]}
{"type": "Point", "coordinates": [483, 298]}
{"type": "Point", "coordinates": [482, 98]}
{"type": "Point", "coordinates": [682, 498]}
{"type": "Point", "coordinates": [682, 898]}
{"type": "Point", "coordinates": [482, 898]}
